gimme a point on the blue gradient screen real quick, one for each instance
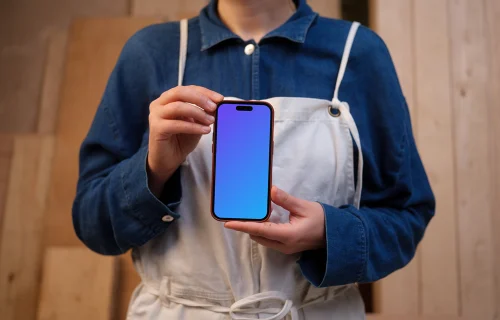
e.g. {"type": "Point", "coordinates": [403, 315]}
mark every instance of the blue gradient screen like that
{"type": "Point", "coordinates": [242, 156]}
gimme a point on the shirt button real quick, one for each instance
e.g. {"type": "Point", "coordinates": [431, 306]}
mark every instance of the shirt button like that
{"type": "Point", "coordinates": [167, 218]}
{"type": "Point", "coordinates": [249, 49]}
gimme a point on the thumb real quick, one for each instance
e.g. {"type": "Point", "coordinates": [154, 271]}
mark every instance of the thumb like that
{"type": "Point", "coordinates": [285, 200]}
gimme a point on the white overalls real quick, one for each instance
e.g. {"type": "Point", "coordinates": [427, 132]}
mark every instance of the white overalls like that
{"type": "Point", "coordinates": [199, 270]}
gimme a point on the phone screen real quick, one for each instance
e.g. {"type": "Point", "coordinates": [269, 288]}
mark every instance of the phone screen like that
{"type": "Point", "coordinates": [242, 160]}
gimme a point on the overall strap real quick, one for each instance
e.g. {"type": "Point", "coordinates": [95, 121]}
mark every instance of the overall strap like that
{"type": "Point", "coordinates": [344, 109]}
{"type": "Point", "coordinates": [345, 58]}
{"type": "Point", "coordinates": [182, 49]}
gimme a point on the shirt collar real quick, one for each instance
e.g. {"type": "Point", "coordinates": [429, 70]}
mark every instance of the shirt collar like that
{"type": "Point", "coordinates": [213, 30]}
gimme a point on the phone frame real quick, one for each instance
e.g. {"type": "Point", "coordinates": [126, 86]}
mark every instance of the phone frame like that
{"type": "Point", "coordinates": [271, 151]}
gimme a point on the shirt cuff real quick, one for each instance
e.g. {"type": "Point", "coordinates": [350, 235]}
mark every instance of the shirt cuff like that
{"type": "Point", "coordinates": [344, 259]}
{"type": "Point", "coordinates": [141, 202]}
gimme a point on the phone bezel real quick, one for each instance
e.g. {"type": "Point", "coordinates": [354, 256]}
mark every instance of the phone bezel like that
{"type": "Point", "coordinates": [271, 150]}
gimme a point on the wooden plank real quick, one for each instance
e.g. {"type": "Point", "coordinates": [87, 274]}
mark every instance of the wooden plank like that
{"type": "Point", "coordinates": [54, 66]}
{"type": "Point", "coordinates": [22, 21]}
{"type": "Point", "coordinates": [433, 113]}
{"type": "Point", "coordinates": [171, 10]}
{"type": "Point", "coordinates": [6, 149]}
{"type": "Point", "coordinates": [470, 74]}
{"type": "Point", "coordinates": [86, 74]}
{"type": "Point", "coordinates": [24, 26]}
{"type": "Point", "coordinates": [393, 21]}
{"type": "Point", "coordinates": [76, 284]}
{"type": "Point", "coordinates": [20, 81]}
{"type": "Point", "coordinates": [398, 317]}
{"type": "Point", "coordinates": [493, 20]}
{"type": "Point", "coordinates": [20, 246]}
{"type": "Point", "coordinates": [182, 9]}
{"type": "Point", "coordinates": [327, 8]}
{"type": "Point", "coordinates": [399, 293]}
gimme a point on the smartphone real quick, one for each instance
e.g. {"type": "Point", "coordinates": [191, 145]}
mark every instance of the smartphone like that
{"type": "Point", "coordinates": [242, 153]}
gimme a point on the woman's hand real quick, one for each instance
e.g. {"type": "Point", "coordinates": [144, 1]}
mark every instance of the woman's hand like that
{"type": "Point", "coordinates": [306, 230]}
{"type": "Point", "coordinates": [175, 128]}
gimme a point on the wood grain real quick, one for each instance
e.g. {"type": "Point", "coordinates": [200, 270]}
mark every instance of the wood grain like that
{"type": "Point", "coordinates": [409, 317]}
{"type": "Point", "coordinates": [24, 27]}
{"type": "Point", "coordinates": [175, 10]}
{"type": "Point", "coordinates": [53, 73]}
{"type": "Point", "coordinates": [20, 246]}
{"type": "Point", "coordinates": [433, 113]}
{"type": "Point", "coordinates": [20, 82]}
{"type": "Point", "coordinates": [171, 10]}
{"type": "Point", "coordinates": [22, 21]}
{"type": "Point", "coordinates": [470, 72]}
{"type": "Point", "coordinates": [493, 27]}
{"type": "Point", "coordinates": [399, 293]}
{"type": "Point", "coordinates": [393, 21]}
{"type": "Point", "coordinates": [86, 73]}
{"type": "Point", "coordinates": [326, 8]}
{"type": "Point", "coordinates": [76, 284]}
{"type": "Point", "coordinates": [6, 149]}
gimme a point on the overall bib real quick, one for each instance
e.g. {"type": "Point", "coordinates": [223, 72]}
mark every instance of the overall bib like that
{"type": "Point", "coordinates": [199, 270]}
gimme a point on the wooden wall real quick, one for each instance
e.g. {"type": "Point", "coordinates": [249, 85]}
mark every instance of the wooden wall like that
{"type": "Point", "coordinates": [180, 9]}
{"type": "Point", "coordinates": [447, 54]}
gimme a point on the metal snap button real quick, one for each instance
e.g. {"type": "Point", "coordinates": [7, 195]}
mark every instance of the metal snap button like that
{"type": "Point", "coordinates": [167, 218]}
{"type": "Point", "coordinates": [249, 49]}
{"type": "Point", "coordinates": [334, 112]}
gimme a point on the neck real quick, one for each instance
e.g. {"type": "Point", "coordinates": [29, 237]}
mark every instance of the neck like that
{"type": "Point", "coordinates": [253, 19]}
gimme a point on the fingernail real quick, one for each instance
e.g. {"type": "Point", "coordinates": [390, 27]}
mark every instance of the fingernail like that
{"type": "Point", "coordinates": [219, 97]}
{"type": "Point", "coordinates": [210, 118]}
{"type": "Point", "coordinates": [206, 129]}
{"type": "Point", "coordinates": [279, 193]}
{"type": "Point", "coordinates": [211, 105]}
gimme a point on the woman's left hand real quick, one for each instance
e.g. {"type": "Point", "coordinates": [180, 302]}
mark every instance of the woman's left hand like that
{"type": "Point", "coordinates": [305, 231]}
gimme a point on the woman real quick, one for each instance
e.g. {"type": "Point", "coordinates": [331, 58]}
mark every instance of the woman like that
{"type": "Point", "coordinates": [342, 126]}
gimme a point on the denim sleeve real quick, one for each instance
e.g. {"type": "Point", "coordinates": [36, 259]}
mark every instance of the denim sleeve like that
{"type": "Point", "coordinates": [114, 210]}
{"type": "Point", "coordinates": [397, 203]}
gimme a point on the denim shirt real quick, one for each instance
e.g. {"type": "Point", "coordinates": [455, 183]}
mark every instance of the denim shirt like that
{"type": "Point", "coordinates": [114, 210]}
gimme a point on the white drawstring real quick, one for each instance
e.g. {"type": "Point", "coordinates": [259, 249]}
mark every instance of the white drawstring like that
{"type": "Point", "coordinates": [237, 310]}
{"type": "Point", "coordinates": [239, 306]}
{"type": "Point", "coordinates": [287, 308]}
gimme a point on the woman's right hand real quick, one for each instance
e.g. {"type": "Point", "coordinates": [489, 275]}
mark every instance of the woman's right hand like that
{"type": "Point", "coordinates": [177, 120]}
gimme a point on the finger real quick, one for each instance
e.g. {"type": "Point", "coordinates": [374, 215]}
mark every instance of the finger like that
{"type": "Point", "coordinates": [269, 230]}
{"type": "Point", "coordinates": [273, 244]}
{"type": "Point", "coordinates": [285, 200]}
{"type": "Point", "coordinates": [180, 126]}
{"type": "Point", "coordinates": [215, 96]}
{"type": "Point", "coordinates": [191, 94]}
{"type": "Point", "coordinates": [177, 110]}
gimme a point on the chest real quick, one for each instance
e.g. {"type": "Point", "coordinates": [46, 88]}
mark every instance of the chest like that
{"type": "Point", "coordinates": [269, 71]}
